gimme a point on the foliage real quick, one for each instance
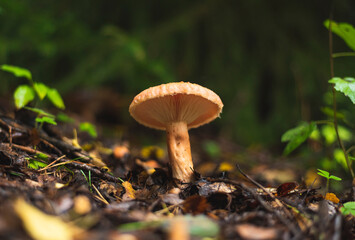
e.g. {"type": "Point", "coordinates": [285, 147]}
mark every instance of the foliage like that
{"type": "Point", "coordinates": [345, 85]}
{"type": "Point", "coordinates": [89, 128]}
{"type": "Point", "coordinates": [296, 136]}
{"type": "Point", "coordinates": [17, 71]}
{"type": "Point", "coordinates": [344, 30]}
{"type": "Point", "coordinates": [26, 93]}
{"type": "Point", "coordinates": [348, 208]}
{"type": "Point", "coordinates": [326, 174]}
{"type": "Point", "coordinates": [332, 131]}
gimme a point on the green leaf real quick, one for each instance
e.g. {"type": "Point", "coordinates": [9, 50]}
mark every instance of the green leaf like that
{"type": "Point", "coordinates": [348, 208]}
{"type": "Point", "coordinates": [40, 112]}
{"type": "Point", "coordinates": [23, 95]}
{"type": "Point", "coordinates": [344, 30]}
{"type": "Point", "coordinates": [45, 119]}
{"type": "Point", "coordinates": [335, 178]}
{"type": "Point", "coordinates": [17, 71]}
{"type": "Point", "coordinates": [41, 90]}
{"type": "Point", "coordinates": [323, 173]}
{"type": "Point", "coordinates": [345, 85]}
{"type": "Point", "coordinates": [34, 164]}
{"type": "Point", "coordinates": [330, 112]}
{"type": "Point", "coordinates": [211, 148]}
{"type": "Point", "coordinates": [296, 136]}
{"type": "Point", "coordinates": [62, 117]}
{"type": "Point", "coordinates": [89, 128]}
{"type": "Point", "coordinates": [55, 98]}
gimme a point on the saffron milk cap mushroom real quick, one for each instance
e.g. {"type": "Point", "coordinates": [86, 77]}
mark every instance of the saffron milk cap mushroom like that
{"type": "Point", "coordinates": [176, 107]}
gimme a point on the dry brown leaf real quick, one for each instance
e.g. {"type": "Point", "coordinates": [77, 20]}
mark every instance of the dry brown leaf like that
{"type": "Point", "coordinates": [196, 204]}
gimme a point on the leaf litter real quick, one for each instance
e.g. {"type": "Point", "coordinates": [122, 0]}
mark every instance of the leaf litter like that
{"type": "Point", "coordinates": [53, 188]}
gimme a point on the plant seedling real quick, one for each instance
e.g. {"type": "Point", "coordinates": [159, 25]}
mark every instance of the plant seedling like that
{"type": "Point", "coordinates": [327, 175]}
{"type": "Point", "coordinates": [348, 208]}
{"type": "Point", "coordinates": [88, 179]}
{"type": "Point", "coordinates": [25, 93]}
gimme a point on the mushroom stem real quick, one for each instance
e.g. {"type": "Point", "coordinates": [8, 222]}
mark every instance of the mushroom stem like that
{"type": "Point", "coordinates": [179, 151]}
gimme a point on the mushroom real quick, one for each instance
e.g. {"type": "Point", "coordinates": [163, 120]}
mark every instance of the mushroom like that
{"type": "Point", "coordinates": [177, 107]}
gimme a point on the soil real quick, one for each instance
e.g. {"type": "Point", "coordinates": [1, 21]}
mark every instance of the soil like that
{"type": "Point", "coordinates": [52, 187]}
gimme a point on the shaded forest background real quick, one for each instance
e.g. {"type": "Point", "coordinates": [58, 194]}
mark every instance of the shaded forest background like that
{"type": "Point", "coordinates": [268, 60]}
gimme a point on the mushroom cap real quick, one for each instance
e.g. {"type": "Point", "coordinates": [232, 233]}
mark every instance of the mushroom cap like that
{"type": "Point", "coordinates": [157, 106]}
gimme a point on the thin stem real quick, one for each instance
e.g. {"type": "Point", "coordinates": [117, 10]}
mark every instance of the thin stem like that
{"type": "Point", "coordinates": [343, 54]}
{"type": "Point", "coordinates": [324, 122]}
{"type": "Point", "coordinates": [331, 61]}
{"type": "Point", "coordinates": [327, 187]}
{"type": "Point", "coordinates": [350, 149]}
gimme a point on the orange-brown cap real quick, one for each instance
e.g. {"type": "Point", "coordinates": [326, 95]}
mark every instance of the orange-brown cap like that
{"type": "Point", "coordinates": [172, 102]}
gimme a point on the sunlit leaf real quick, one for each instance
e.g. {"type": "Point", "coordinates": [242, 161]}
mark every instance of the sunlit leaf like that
{"type": "Point", "coordinates": [330, 112]}
{"type": "Point", "coordinates": [34, 164]}
{"type": "Point", "coordinates": [323, 173]}
{"type": "Point", "coordinates": [41, 90]}
{"type": "Point", "coordinates": [45, 119]}
{"type": "Point", "coordinates": [344, 30]}
{"type": "Point", "coordinates": [89, 128]}
{"type": "Point", "coordinates": [330, 135]}
{"type": "Point", "coordinates": [348, 208]}
{"type": "Point", "coordinates": [335, 178]}
{"type": "Point", "coordinates": [131, 193]}
{"type": "Point", "coordinates": [17, 71]}
{"type": "Point", "coordinates": [340, 158]}
{"type": "Point", "coordinates": [345, 85]}
{"type": "Point", "coordinates": [55, 98]}
{"type": "Point", "coordinates": [62, 117]}
{"type": "Point", "coordinates": [41, 226]}
{"type": "Point", "coordinates": [23, 95]}
{"type": "Point", "coordinates": [296, 136]}
{"type": "Point", "coordinates": [40, 112]}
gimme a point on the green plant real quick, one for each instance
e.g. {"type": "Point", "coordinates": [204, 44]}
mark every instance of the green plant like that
{"type": "Point", "coordinates": [327, 175]}
{"type": "Point", "coordinates": [348, 208]}
{"type": "Point", "coordinates": [89, 128]}
{"type": "Point", "coordinates": [88, 179]}
{"type": "Point", "coordinates": [296, 136]}
{"type": "Point", "coordinates": [26, 93]}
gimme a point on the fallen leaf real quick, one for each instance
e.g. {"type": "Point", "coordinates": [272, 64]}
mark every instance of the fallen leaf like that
{"type": "Point", "coordinates": [286, 188]}
{"type": "Point", "coordinates": [196, 204]}
{"type": "Point", "coordinates": [225, 167]}
{"type": "Point", "coordinates": [82, 204]}
{"type": "Point", "coordinates": [41, 226]}
{"type": "Point", "coordinates": [332, 197]}
{"type": "Point", "coordinates": [130, 192]}
{"type": "Point", "coordinates": [249, 231]}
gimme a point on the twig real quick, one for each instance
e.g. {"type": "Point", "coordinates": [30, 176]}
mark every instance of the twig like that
{"type": "Point", "coordinates": [52, 164]}
{"type": "Point", "coordinates": [101, 197]}
{"type": "Point", "coordinates": [284, 220]}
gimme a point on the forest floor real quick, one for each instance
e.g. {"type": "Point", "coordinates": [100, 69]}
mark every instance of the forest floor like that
{"type": "Point", "coordinates": [55, 187]}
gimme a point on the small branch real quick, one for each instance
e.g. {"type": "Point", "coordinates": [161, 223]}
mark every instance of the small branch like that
{"type": "Point", "coordinates": [343, 54]}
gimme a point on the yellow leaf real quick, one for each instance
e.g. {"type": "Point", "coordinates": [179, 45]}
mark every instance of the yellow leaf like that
{"type": "Point", "coordinates": [332, 197]}
{"type": "Point", "coordinates": [225, 167]}
{"type": "Point", "coordinates": [41, 226]}
{"type": "Point", "coordinates": [149, 151]}
{"type": "Point", "coordinates": [129, 190]}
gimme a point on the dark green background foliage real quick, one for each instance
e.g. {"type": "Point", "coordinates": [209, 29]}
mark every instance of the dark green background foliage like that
{"type": "Point", "coordinates": [268, 60]}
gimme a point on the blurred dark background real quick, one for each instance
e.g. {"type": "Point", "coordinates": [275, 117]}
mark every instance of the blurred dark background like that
{"type": "Point", "coordinates": [268, 60]}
